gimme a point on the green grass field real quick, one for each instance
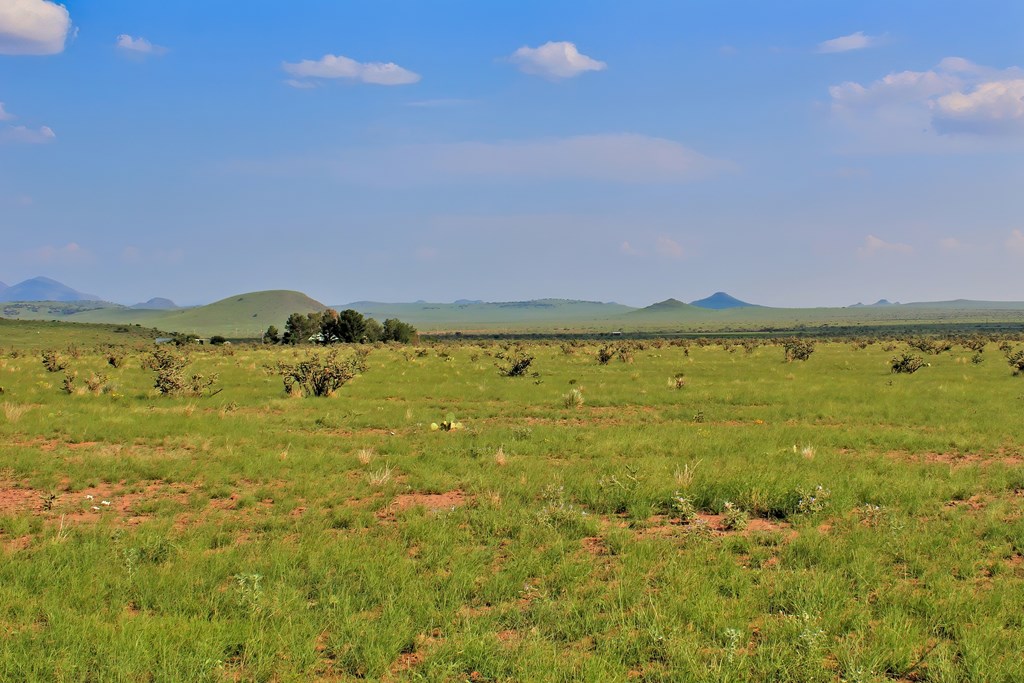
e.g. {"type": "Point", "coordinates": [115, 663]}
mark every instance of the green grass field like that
{"type": "Point", "coordinates": [587, 523]}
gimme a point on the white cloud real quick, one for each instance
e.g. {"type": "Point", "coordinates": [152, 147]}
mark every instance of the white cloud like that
{"type": "Point", "coordinates": [950, 244]}
{"type": "Point", "coordinates": [339, 67]}
{"type": "Point", "coordinates": [956, 97]}
{"type": "Point", "coordinates": [138, 46]}
{"type": "Point", "coordinates": [4, 114]}
{"type": "Point", "coordinates": [1015, 242]}
{"type": "Point", "coordinates": [896, 88]}
{"type": "Point", "coordinates": [669, 248]}
{"type": "Point", "coordinates": [33, 27]}
{"type": "Point", "coordinates": [854, 41]}
{"type": "Point", "coordinates": [24, 134]}
{"type": "Point", "coordinates": [991, 107]}
{"type": "Point", "coordinates": [554, 60]}
{"type": "Point", "coordinates": [874, 245]}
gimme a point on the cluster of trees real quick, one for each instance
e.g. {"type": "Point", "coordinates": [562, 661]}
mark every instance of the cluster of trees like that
{"type": "Point", "coordinates": [332, 327]}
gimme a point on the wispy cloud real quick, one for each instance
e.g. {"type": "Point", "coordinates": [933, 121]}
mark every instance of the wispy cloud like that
{"type": "Point", "coordinates": [439, 103]}
{"type": "Point", "coordinates": [33, 27]}
{"type": "Point", "coordinates": [875, 245]}
{"type": "Point", "coordinates": [669, 248]}
{"type": "Point", "coordinates": [10, 133]}
{"type": "Point", "coordinates": [344, 68]}
{"type": "Point", "coordinates": [139, 46]}
{"type": "Point", "coordinates": [26, 135]}
{"type": "Point", "coordinates": [629, 250]}
{"type": "Point", "coordinates": [854, 41]}
{"type": "Point", "coordinates": [950, 244]}
{"type": "Point", "coordinates": [555, 61]}
{"type": "Point", "coordinates": [1015, 242]}
{"type": "Point", "coordinates": [618, 158]}
{"type": "Point", "coordinates": [69, 254]}
{"type": "Point", "coordinates": [626, 158]}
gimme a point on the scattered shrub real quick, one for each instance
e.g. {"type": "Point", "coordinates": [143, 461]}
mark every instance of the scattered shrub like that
{"type": "Point", "coordinates": [906, 363]}
{"type": "Point", "coordinates": [321, 375]}
{"type": "Point", "coordinates": [1016, 361]}
{"type": "Point", "coordinates": [171, 379]}
{"type": "Point", "coordinates": [96, 382]}
{"type": "Point", "coordinates": [513, 361]}
{"type": "Point", "coordinates": [53, 362]}
{"type": "Point", "coordinates": [797, 349]}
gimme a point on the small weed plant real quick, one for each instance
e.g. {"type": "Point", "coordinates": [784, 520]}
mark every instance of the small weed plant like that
{"type": "Point", "coordinates": [813, 501]}
{"type": "Point", "coordinates": [683, 508]}
{"type": "Point", "coordinates": [574, 399]}
{"type": "Point", "coordinates": [733, 518]}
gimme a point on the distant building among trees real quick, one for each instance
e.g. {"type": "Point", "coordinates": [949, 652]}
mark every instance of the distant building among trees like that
{"type": "Point", "coordinates": [346, 327]}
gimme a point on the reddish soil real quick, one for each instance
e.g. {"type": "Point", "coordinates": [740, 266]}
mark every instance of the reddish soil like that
{"type": "Point", "coordinates": [432, 502]}
{"type": "Point", "coordinates": [596, 546]}
{"type": "Point", "coordinates": [87, 505]}
{"type": "Point", "coordinates": [15, 500]}
{"type": "Point", "coordinates": [975, 502]}
{"type": "Point", "coordinates": [1001, 457]}
{"type": "Point", "coordinates": [508, 636]}
{"type": "Point", "coordinates": [660, 525]}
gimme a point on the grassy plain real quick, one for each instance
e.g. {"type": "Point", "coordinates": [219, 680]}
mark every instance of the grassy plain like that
{"type": "Point", "coordinates": [252, 535]}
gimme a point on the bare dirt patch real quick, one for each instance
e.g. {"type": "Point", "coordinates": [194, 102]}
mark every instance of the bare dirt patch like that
{"type": "Point", "coordinates": [408, 661]}
{"type": "Point", "coordinates": [432, 502]}
{"type": "Point", "coordinates": [90, 504]}
{"type": "Point", "coordinates": [975, 503]}
{"type": "Point", "coordinates": [508, 636]}
{"type": "Point", "coordinates": [662, 526]}
{"type": "Point", "coordinates": [999, 457]}
{"type": "Point", "coordinates": [15, 544]}
{"type": "Point", "coordinates": [45, 444]}
{"type": "Point", "coordinates": [16, 500]}
{"type": "Point", "coordinates": [595, 545]}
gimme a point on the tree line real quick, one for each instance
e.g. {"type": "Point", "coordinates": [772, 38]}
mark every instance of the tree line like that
{"type": "Point", "coordinates": [346, 327]}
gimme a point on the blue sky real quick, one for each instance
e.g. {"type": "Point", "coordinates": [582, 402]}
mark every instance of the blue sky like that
{"type": "Point", "coordinates": [792, 153]}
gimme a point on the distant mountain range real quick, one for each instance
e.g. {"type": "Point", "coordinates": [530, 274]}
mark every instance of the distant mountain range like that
{"type": "Point", "coordinates": [43, 289]}
{"type": "Point", "coordinates": [248, 315]}
{"type": "Point", "coordinates": [719, 301]}
{"type": "Point", "coordinates": [157, 304]}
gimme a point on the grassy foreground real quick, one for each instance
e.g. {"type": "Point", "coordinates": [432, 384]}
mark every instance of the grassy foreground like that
{"type": "Point", "coordinates": [560, 536]}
